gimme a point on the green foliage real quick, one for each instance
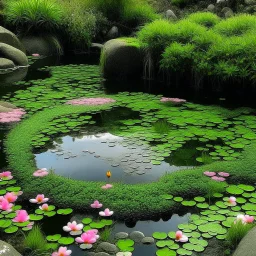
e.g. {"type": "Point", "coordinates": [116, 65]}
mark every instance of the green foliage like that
{"type": "Point", "coordinates": [177, 56]}
{"type": "Point", "coordinates": [205, 45]}
{"type": "Point", "coordinates": [35, 240]}
{"type": "Point", "coordinates": [33, 15]}
{"type": "Point", "coordinates": [105, 234]}
{"type": "Point", "coordinates": [236, 233]}
{"type": "Point", "coordinates": [206, 19]}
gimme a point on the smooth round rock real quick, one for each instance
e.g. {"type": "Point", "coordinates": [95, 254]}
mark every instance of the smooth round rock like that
{"type": "Point", "coordinates": [137, 236]}
{"type": "Point", "coordinates": [6, 63]}
{"type": "Point", "coordinates": [148, 240]}
{"type": "Point", "coordinates": [7, 250]}
{"type": "Point", "coordinates": [170, 15]}
{"type": "Point", "coordinates": [211, 8]}
{"type": "Point", "coordinates": [107, 247]}
{"type": "Point", "coordinates": [17, 56]}
{"type": "Point", "coordinates": [102, 254]}
{"type": "Point", "coordinates": [121, 235]}
{"type": "Point", "coordinates": [113, 33]}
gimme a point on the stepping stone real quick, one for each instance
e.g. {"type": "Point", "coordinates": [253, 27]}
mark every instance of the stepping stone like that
{"type": "Point", "coordinates": [140, 172]}
{"type": "Point", "coordinates": [121, 235]}
{"type": "Point", "coordinates": [148, 240]}
{"type": "Point", "coordinates": [97, 156]}
{"type": "Point", "coordinates": [114, 165]}
{"type": "Point", "coordinates": [137, 236]}
{"type": "Point", "coordinates": [107, 247]}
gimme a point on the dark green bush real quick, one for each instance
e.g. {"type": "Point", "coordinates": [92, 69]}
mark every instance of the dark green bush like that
{"type": "Point", "coordinates": [33, 15]}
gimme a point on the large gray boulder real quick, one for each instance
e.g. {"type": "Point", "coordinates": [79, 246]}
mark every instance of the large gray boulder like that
{"type": "Point", "coordinates": [18, 57]}
{"type": "Point", "coordinates": [45, 46]}
{"type": "Point", "coordinates": [9, 38]}
{"type": "Point", "coordinates": [6, 63]}
{"type": "Point", "coordinates": [121, 59]}
{"type": "Point", "coordinates": [7, 250]}
{"type": "Point", "coordinates": [247, 246]}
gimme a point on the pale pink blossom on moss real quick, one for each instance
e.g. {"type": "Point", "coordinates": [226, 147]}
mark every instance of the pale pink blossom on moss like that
{"type": "Point", "coordinates": [35, 54]}
{"type": "Point", "coordinates": [63, 251]}
{"type": "Point", "coordinates": [44, 207]}
{"type": "Point", "coordinates": [106, 213]}
{"type": "Point", "coordinates": [216, 178]}
{"type": "Point", "coordinates": [40, 199]}
{"type": "Point", "coordinates": [73, 226]}
{"type": "Point", "coordinates": [90, 101]}
{"type": "Point", "coordinates": [5, 205]}
{"type": "Point", "coordinates": [21, 216]}
{"type": "Point", "coordinates": [209, 174]}
{"type": "Point", "coordinates": [14, 115]}
{"type": "Point", "coordinates": [223, 174]}
{"type": "Point", "coordinates": [6, 175]}
{"type": "Point", "coordinates": [107, 186]}
{"type": "Point", "coordinates": [173, 100]}
{"type": "Point", "coordinates": [179, 237]}
{"type": "Point", "coordinates": [232, 201]}
{"type": "Point", "coordinates": [41, 173]}
{"type": "Point", "coordinates": [96, 204]}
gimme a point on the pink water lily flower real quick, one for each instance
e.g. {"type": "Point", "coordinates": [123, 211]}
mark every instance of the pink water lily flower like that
{"type": "Point", "coordinates": [5, 205]}
{"type": "Point", "coordinates": [30, 225]}
{"type": "Point", "coordinates": [11, 197]}
{"type": "Point", "coordinates": [6, 175]}
{"type": "Point", "coordinates": [88, 238]}
{"type": "Point", "coordinates": [209, 174]}
{"type": "Point", "coordinates": [223, 174]}
{"type": "Point", "coordinates": [179, 237]}
{"type": "Point", "coordinates": [106, 213]}
{"type": "Point", "coordinates": [232, 201]}
{"type": "Point", "coordinates": [36, 55]}
{"type": "Point", "coordinates": [216, 178]}
{"type": "Point", "coordinates": [63, 251]}
{"type": "Point", "coordinates": [21, 216]}
{"type": "Point", "coordinates": [173, 100]}
{"type": "Point", "coordinates": [41, 172]}
{"type": "Point", "coordinates": [107, 186]}
{"type": "Point", "coordinates": [40, 199]}
{"type": "Point", "coordinates": [244, 219]}
{"type": "Point", "coordinates": [96, 204]}
{"type": "Point", "coordinates": [44, 207]}
{"type": "Point", "coordinates": [73, 226]}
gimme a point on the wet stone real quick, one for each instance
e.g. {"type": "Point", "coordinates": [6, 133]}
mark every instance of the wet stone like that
{"type": "Point", "coordinates": [114, 165]}
{"type": "Point", "coordinates": [148, 240]}
{"type": "Point", "coordinates": [140, 172]}
{"type": "Point", "coordinates": [137, 236]}
{"type": "Point", "coordinates": [121, 235]}
{"type": "Point", "coordinates": [107, 247]}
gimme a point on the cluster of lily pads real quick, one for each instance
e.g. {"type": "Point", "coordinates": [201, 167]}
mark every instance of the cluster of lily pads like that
{"type": "Point", "coordinates": [220, 133]}
{"type": "Point", "coordinates": [215, 218]}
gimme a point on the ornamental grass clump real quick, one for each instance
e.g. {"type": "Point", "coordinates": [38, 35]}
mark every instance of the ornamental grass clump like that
{"type": "Point", "coordinates": [33, 15]}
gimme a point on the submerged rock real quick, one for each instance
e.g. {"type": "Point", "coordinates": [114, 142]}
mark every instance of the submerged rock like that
{"type": "Point", "coordinates": [7, 250]}
{"type": "Point", "coordinates": [211, 8]}
{"type": "Point", "coordinates": [148, 240]}
{"type": "Point", "coordinates": [107, 247]}
{"type": "Point", "coordinates": [137, 236]}
{"type": "Point", "coordinates": [121, 235]}
{"type": "Point", "coordinates": [102, 254]}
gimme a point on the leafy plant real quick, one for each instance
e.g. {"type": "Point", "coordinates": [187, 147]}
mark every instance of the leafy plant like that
{"type": "Point", "coordinates": [35, 241]}
{"type": "Point", "coordinates": [236, 233]}
{"type": "Point", "coordinates": [33, 15]}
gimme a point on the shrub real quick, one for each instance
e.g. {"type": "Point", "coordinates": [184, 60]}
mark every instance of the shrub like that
{"type": "Point", "coordinates": [206, 19]}
{"type": "Point", "coordinates": [237, 26]}
{"type": "Point", "coordinates": [158, 34]}
{"type": "Point", "coordinates": [237, 232]}
{"type": "Point", "coordinates": [177, 56]}
{"type": "Point", "coordinates": [33, 15]}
